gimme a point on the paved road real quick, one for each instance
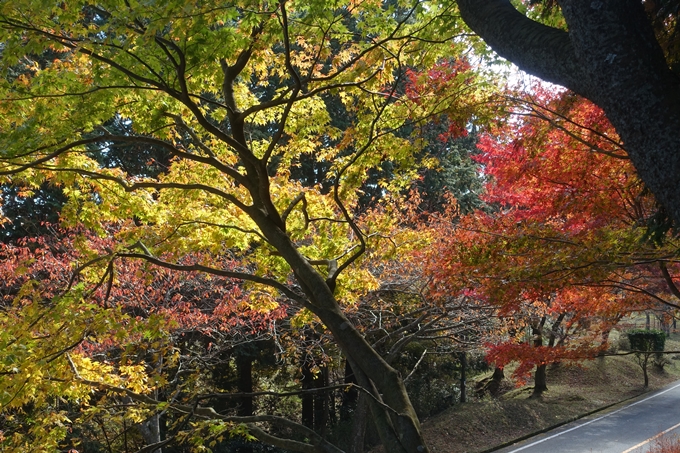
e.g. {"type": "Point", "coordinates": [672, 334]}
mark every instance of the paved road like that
{"type": "Point", "coordinates": [630, 429]}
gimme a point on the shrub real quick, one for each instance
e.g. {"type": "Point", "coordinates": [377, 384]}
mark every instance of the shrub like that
{"type": "Point", "coordinates": [665, 445]}
{"type": "Point", "coordinates": [624, 343]}
{"type": "Point", "coordinates": [647, 340]}
{"type": "Point", "coordinates": [645, 343]}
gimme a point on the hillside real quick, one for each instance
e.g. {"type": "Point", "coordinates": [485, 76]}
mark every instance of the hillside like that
{"type": "Point", "coordinates": [573, 391]}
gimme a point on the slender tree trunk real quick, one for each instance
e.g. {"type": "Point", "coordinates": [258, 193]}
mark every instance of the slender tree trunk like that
{"type": "Point", "coordinates": [321, 401]}
{"type": "Point", "coordinates": [359, 422]}
{"type": "Point", "coordinates": [151, 431]}
{"type": "Point", "coordinates": [244, 372]}
{"type": "Point", "coordinates": [350, 396]}
{"type": "Point", "coordinates": [314, 405]}
{"type": "Point", "coordinates": [540, 380]}
{"type": "Point", "coordinates": [244, 369]}
{"type": "Point", "coordinates": [307, 382]}
{"type": "Point", "coordinates": [463, 369]}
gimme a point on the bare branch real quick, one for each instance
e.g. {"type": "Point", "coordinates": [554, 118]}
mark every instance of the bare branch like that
{"type": "Point", "coordinates": [285, 290]}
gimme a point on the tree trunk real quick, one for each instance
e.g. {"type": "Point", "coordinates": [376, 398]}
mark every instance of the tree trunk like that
{"type": "Point", "coordinates": [610, 56]}
{"type": "Point", "coordinates": [151, 431]}
{"type": "Point", "coordinates": [540, 381]}
{"type": "Point", "coordinates": [393, 413]}
{"type": "Point", "coordinates": [244, 370]}
{"type": "Point", "coordinates": [321, 401]}
{"type": "Point", "coordinates": [350, 396]}
{"type": "Point", "coordinates": [314, 405]}
{"type": "Point", "coordinates": [307, 382]}
{"type": "Point", "coordinates": [463, 367]}
{"type": "Point", "coordinates": [359, 425]}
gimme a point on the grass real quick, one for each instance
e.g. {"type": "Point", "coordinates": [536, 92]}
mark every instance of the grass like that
{"type": "Point", "coordinates": [573, 391]}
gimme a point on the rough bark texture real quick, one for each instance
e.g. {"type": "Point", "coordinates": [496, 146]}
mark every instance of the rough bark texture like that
{"type": "Point", "coordinates": [610, 56]}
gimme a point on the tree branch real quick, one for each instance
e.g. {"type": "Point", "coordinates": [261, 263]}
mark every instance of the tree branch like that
{"type": "Point", "coordinates": [285, 290]}
{"type": "Point", "coordinates": [543, 51]}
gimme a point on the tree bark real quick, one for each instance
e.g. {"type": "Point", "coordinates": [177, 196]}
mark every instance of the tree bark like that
{"type": "Point", "coordinates": [359, 425]}
{"type": "Point", "coordinates": [151, 431]}
{"type": "Point", "coordinates": [307, 382]}
{"type": "Point", "coordinates": [244, 369]}
{"type": "Point", "coordinates": [314, 405]}
{"type": "Point", "coordinates": [350, 396]}
{"type": "Point", "coordinates": [463, 369]}
{"type": "Point", "coordinates": [540, 381]}
{"type": "Point", "coordinates": [610, 56]}
{"type": "Point", "coordinates": [321, 401]}
{"type": "Point", "coordinates": [393, 413]}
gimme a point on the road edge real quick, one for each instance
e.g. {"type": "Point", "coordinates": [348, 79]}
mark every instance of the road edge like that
{"type": "Point", "coordinates": [577, 417]}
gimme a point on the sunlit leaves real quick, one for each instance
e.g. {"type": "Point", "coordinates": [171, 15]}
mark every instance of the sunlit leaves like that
{"type": "Point", "coordinates": [565, 244]}
{"type": "Point", "coordinates": [235, 95]}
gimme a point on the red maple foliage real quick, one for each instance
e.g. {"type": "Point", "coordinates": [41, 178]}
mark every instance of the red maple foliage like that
{"type": "Point", "coordinates": [217, 309]}
{"type": "Point", "coordinates": [560, 245]}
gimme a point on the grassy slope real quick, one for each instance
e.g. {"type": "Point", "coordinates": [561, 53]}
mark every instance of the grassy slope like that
{"type": "Point", "coordinates": [572, 391]}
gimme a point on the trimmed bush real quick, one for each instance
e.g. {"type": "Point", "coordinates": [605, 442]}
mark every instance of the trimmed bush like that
{"type": "Point", "coordinates": [647, 341]}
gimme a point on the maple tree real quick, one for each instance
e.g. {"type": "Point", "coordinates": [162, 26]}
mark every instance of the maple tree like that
{"type": "Point", "coordinates": [172, 323]}
{"type": "Point", "coordinates": [563, 256]}
{"type": "Point", "coordinates": [236, 94]}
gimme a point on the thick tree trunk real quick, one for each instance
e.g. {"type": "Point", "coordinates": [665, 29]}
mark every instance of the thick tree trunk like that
{"type": "Point", "coordinates": [610, 56]}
